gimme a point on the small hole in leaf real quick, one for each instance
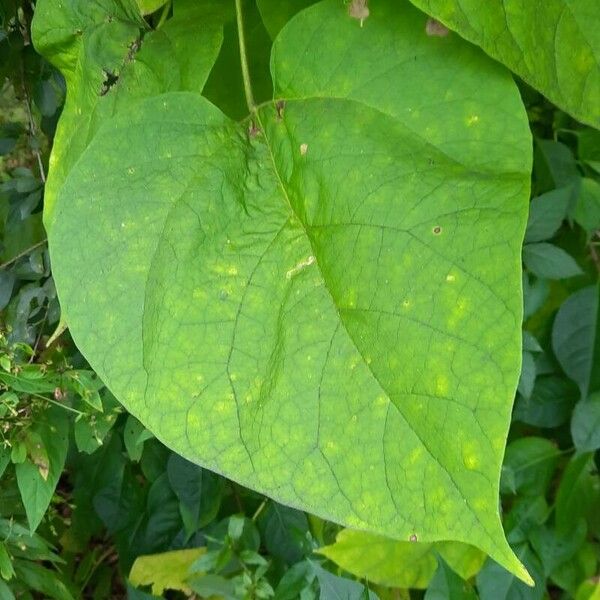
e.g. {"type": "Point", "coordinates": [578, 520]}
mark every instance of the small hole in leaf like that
{"type": "Point", "coordinates": [413, 538]}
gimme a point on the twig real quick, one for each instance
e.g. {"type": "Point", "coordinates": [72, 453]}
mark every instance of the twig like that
{"type": "Point", "coordinates": [22, 254]}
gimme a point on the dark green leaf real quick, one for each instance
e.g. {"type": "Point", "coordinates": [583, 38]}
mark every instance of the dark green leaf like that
{"type": "Point", "coordinates": [340, 588]}
{"type": "Point", "coordinates": [549, 262]}
{"type": "Point", "coordinates": [37, 490]}
{"type": "Point", "coordinates": [575, 338]}
{"type": "Point", "coordinates": [585, 424]}
{"type": "Point", "coordinates": [447, 585]}
{"type": "Point", "coordinates": [546, 213]}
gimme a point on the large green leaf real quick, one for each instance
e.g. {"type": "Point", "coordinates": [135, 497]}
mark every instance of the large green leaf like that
{"type": "Point", "coordinates": [322, 302]}
{"type": "Point", "coordinates": [110, 61]}
{"type": "Point", "coordinates": [553, 45]}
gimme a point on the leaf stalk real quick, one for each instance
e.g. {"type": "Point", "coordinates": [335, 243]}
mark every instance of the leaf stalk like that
{"type": "Point", "coordinates": [244, 57]}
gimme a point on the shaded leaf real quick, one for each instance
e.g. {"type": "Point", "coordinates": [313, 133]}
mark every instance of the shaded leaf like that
{"type": "Point", "coordinates": [549, 262]}
{"type": "Point", "coordinates": [575, 339]}
{"type": "Point", "coordinates": [546, 213]}
{"type": "Point", "coordinates": [585, 424]}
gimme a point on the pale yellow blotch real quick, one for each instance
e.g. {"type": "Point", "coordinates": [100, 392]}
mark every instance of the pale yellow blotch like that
{"type": "Point", "coordinates": [441, 385]}
{"type": "Point", "coordinates": [406, 303]}
{"type": "Point", "coordinates": [354, 418]}
{"type": "Point", "coordinates": [221, 407]}
{"type": "Point", "coordinates": [303, 149]}
{"type": "Point", "coordinates": [309, 260]}
{"type": "Point", "coordinates": [472, 120]}
{"type": "Point", "coordinates": [414, 456]}
{"type": "Point", "coordinates": [450, 278]}
{"type": "Point", "coordinates": [199, 378]}
{"type": "Point", "coordinates": [470, 456]}
{"type": "Point", "coordinates": [131, 170]}
{"type": "Point", "coordinates": [232, 271]}
{"type": "Point", "coordinates": [381, 400]}
{"type": "Point", "coordinates": [198, 294]}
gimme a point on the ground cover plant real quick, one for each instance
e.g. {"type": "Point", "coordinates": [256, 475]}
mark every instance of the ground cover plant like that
{"type": "Point", "coordinates": [328, 287]}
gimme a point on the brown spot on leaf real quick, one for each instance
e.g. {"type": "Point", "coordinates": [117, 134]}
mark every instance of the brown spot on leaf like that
{"type": "Point", "coordinates": [413, 538]}
{"type": "Point", "coordinates": [303, 149]}
{"type": "Point", "coordinates": [253, 130]}
{"type": "Point", "coordinates": [280, 107]}
{"type": "Point", "coordinates": [436, 29]}
{"type": "Point", "coordinates": [359, 10]}
{"type": "Point", "coordinates": [437, 230]}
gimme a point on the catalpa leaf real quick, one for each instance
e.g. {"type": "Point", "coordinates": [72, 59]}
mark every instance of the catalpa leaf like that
{"type": "Point", "coordinates": [321, 302]}
{"type": "Point", "coordinates": [553, 45]}
{"type": "Point", "coordinates": [110, 61]}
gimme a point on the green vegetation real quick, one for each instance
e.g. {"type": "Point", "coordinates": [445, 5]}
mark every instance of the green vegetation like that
{"type": "Point", "coordinates": [328, 280]}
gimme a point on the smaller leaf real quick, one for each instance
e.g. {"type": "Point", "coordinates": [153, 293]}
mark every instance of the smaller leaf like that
{"type": "Point", "coordinates": [546, 213]}
{"type": "Point", "coordinates": [553, 548]}
{"type": "Point", "coordinates": [35, 488]}
{"type": "Point", "coordinates": [213, 585]}
{"type": "Point", "coordinates": [527, 378]}
{"type": "Point", "coordinates": [447, 585]}
{"type": "Point", "coordinates": [578, 494]}
{"type": "Point", "coordinates": [587, 209]}
{"type": "Point", "coordinates": [165, 571]}
{"type": "Point", "coordinates": [496, 583]}
{"type": "Point", "coordinates": [550, 403]}
{"type": "Point", "coordinates": [6, 567]}
{"type": "Point", "coordinates": [134, 436]}
{"type": "Point", "coordinates": [335, 588]}
{"type": "Point", "coordinates": [295, 580]}
{"type": "Point", "coordinates": [585, 424]}
{"type": "Point", "coordinates": [532, 461]}
{"type": "Point", "coordinates": [575, 337]}
{"type": "Point", "coordinates": [284, 532]}
{"type": "Point", "coordinates": [549, 262]}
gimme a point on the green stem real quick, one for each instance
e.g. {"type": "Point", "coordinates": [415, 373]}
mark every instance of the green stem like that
{"type": "Point", "coordinates": [244, 57]}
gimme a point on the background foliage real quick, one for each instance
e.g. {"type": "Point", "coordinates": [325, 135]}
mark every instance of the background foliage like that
{"type": "Point", "coordinates": [93, 506]}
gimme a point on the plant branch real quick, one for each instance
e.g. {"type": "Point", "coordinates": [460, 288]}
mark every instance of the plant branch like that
{"type": "Point", "coordinates": [244, 57]}
{"type": "Point", "coordinates": [22, 254]}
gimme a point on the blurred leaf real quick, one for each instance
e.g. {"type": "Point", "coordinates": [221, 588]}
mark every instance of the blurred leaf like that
{"type": "Point", "coordinates": [587, 209]}
{"type": "Point", "coordinates": [527, 377]}
{"type": "Point", "coordinates": [134, 436]}
{"type": "Point", "coordinates": [546, 213]}
{"type": "Point", "coordinates": [532, 461]}
{"type": "Point", "coordinates": [575, 339]}
{"type": "Point", "coordinates": [585, 424]}
{"type": "Point", "coordinates": [447, 585]}
{"type": "Point", "coordinates": [42, 579]}
{"type": "Point", "coordinates": [285, 532]}
{"type": "Point", "coordinates": [549, 405]}
{"type": "Point", "coordinates": [578, 495]}
{"type": "Point", "coordinates": [553, 548]}
{"type": "Point", "coordinates": [582, 566]}
{"type": "Point", "coordinates": [165, 571]}
{"type": "Point", "coordinates": [549, 262]}
{"type": "Point", "coordinates": [36, 491]}
{"type": "Point", "coordinates": [198, 490]}
{"type": "Point", "coordinates": [338, 588]}
{"type": "Point", "coordinates": [294, 581]}
{"type": "Point", "coordinates": [496, 583]}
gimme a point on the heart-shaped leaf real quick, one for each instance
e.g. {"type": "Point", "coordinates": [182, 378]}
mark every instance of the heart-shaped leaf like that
{"type": "Point", "coordinates": [321, 302]}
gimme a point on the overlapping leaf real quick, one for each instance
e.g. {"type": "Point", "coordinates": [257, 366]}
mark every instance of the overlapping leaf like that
{"type": "Point", "coordinates": [321, 302]}
{"type": "Point", "coordinates": [105, 46]}
{"type": "Point", "coordinates": [553, 45]}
